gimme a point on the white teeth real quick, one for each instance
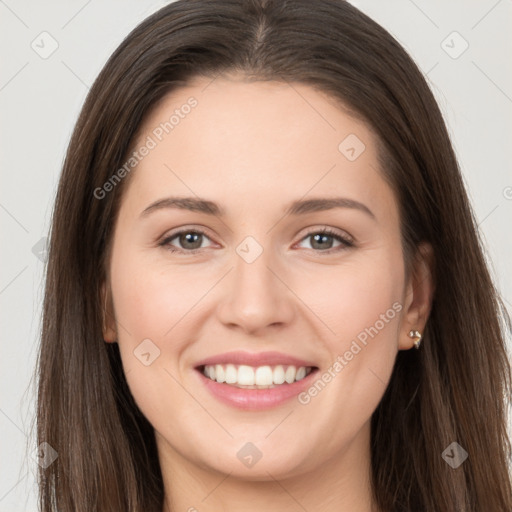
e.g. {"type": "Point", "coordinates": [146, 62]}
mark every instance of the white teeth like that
{"type": "Point", "coordinates": [262, 376]}
{"type": "Point", "coordinates": [245, 375]}
{"type": "Point", "coordinates": [231, 374]}
{"type": "Point", "coordinates": [290, 373]}
{"type": "Point", "coordinates": [220, 374]}
{"type": "Point", "coordinates": [278, 375]}
{"type": "Point", "coordinates": [301, 373]}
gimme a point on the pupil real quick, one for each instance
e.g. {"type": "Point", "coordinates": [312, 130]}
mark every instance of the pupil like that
{"type": "Point", "coordinates": [188, 238]}
{"type": "Point", "coordinates": [320, 237]}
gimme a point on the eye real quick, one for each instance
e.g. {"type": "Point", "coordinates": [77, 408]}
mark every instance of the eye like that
{"type": "Point", "coordinates": [190, 240]}
{"type": "Point", "coordinates": [322, 240]}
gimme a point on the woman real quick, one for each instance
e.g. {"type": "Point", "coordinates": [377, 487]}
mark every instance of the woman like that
{"type": "Point", "coordinates": [256, 368]}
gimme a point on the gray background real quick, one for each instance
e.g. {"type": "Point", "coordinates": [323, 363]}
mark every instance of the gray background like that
{"type": "Point", "coordinates": [40, 97]}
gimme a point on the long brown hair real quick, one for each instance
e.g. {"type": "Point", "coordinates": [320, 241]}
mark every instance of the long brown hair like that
{"type": "Point", "coordinates": [455, 389]}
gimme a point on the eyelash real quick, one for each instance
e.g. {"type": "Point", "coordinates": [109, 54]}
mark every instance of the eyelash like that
{"type": "Point", "coordinates": [345, 241]}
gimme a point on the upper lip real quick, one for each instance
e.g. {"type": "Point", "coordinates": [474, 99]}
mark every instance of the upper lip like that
{"type": "Point", "coordinates": [255, 359]}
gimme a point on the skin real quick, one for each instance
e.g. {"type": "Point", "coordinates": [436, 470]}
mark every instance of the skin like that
{"type": "Point", "coordinates": [253, 147]}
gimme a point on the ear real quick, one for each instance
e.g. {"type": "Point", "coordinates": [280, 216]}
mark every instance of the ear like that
{"type": "Point", "coordinates": [419, 292]}
{"type": "Point", "coordinates": [107, 315]}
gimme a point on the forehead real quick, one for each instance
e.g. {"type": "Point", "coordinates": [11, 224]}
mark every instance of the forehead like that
{"type": "Point", "coordinates": [274, 141]}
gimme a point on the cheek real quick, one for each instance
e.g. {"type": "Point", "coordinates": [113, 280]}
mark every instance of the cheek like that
{"type": "Point", "coordinates": [151, 299]}
{"type": "Point", "coordinates": [152, 305]}
{"type": "Point", "coordinates": [361, 304]}
{"type": "Point", "coordinates": [349, 298]}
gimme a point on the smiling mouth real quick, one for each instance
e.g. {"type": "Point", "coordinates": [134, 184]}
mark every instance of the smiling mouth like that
{"type": "Point", "coordinates": [250, 377]}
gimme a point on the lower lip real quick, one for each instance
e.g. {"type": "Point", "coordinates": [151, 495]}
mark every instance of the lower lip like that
{"type": "Point", "coordinates": [256, 399]}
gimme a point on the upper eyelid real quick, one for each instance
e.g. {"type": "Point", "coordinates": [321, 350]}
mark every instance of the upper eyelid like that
{"type": "Point", "coordinates": [195, 229]}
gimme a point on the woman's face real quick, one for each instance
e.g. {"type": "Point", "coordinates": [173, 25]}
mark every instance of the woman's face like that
{"type": "Point", "coordinates": [239, 275]}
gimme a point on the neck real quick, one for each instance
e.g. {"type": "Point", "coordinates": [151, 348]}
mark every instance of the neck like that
{"type": "Point", "coordinates": [339, 484]}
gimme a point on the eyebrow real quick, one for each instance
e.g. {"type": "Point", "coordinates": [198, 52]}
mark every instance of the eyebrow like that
{"type": "Point", "coordinates": [299, 207]}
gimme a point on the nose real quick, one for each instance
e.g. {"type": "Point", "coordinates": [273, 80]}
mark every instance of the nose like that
{"type": "Point", "coordinates": [256, 295]}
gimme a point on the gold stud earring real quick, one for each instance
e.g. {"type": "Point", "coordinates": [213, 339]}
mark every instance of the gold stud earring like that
{"type": "Point", "coordinates": [416, 335]}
